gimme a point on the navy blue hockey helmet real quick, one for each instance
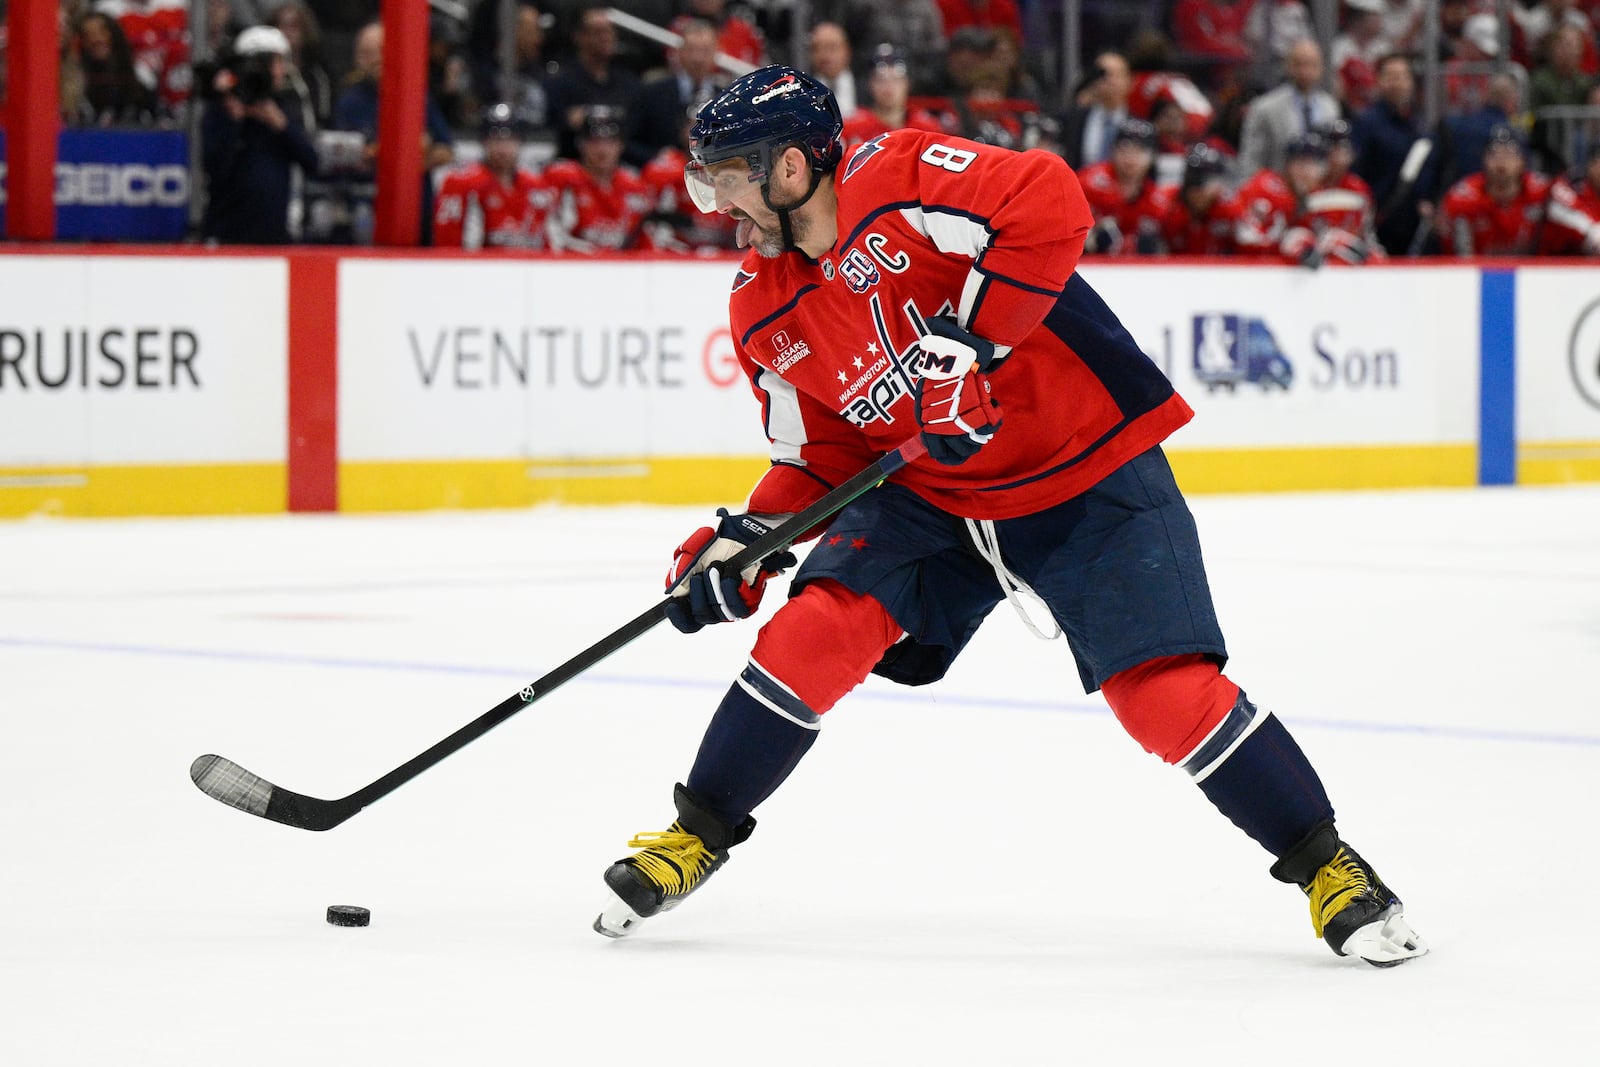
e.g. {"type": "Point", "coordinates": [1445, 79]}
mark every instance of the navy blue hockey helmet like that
{"type": "Point", "coordinates": [756, 118]}
{"type": "Point", "coordinates": [1310, 145]}
{"type": "Point", "coordinates": [1202, 164]}
{"type": "Point", "coordinates": [499, 120]}
{"type": "Point", "coordinates": [1135, 132]}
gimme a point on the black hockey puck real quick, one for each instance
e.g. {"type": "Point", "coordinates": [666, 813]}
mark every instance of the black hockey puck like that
{"type": "Point", "coordinates": [348, 915]}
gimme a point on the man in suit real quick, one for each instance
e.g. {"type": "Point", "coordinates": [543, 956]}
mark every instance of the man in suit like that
{"type": "Point", "coordinates": [664, 102]}
{"type": "Point", "coordinates": [1299, 106]}
{"type": "Point", "coordinates": [1088, 130]}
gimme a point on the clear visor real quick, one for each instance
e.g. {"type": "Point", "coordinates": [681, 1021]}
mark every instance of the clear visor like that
{"type": "Point", "coordinates": [711, 190]}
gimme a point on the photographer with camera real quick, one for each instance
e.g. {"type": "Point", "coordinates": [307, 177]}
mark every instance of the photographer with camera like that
{"type": "Point", "coordinates": [249, 144]}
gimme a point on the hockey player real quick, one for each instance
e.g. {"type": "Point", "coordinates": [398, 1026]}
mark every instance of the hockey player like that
{"type": "Point", "coordinates": [927, 286]}
{"type": "Point", "coordinates": [1573, 225]}
{"type": "Point", "coordinates": [1127, 202]}
{"type": "Point", "coordinates": [512, 203]}
{"type": "Point", "coordinates": [1281, 216]}
{"type": "Point", "coordinates": [1200, 220]}
{"type": "Point", "coordinates": [1499, 211]}
{"type": "Point", "coordinates": [600, 204]}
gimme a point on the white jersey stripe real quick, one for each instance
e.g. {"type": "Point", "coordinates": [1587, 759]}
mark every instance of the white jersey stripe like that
{"type": "Point", "coordinates": [784, 424]}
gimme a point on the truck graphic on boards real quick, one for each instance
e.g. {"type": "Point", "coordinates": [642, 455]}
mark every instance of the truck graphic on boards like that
{"type": "Point", "coordinates": [1230, 348]}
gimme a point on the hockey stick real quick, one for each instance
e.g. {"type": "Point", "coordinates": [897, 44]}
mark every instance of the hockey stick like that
{"type": "Point", "coordinates": [226, 781]}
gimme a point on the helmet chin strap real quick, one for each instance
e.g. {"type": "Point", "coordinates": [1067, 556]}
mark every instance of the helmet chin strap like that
{"type": "Point", "coordinates": [785, 228]}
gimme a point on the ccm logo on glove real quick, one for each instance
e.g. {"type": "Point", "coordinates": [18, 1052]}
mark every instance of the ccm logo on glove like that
{"type": "Point", "coordinates": [702, 593]}
{"type": "Point", "coordinates": [956, 408]}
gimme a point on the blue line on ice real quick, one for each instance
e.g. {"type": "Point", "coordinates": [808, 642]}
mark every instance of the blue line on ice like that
{"type": "Point", "coordinates": [944, 699]}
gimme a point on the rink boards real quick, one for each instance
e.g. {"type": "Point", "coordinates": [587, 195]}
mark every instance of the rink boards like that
{"type": "Point", "coordinates": [188, 382]}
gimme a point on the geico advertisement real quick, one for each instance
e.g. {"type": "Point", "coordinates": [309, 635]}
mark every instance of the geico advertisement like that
{"type": "Point", "coordinates": [1558, 354]}
{"type": "Point", "coordinates": [1285, 356]}
{"type": "Point", "coordinates": [128, 360]}
{"type": "Point", "coordinates": [464, 359]}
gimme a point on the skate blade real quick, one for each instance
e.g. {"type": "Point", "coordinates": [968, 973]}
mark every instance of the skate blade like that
{"type": "Point", "coordinates": [617, 920]}
{"type": "Point", "coordinates": [1386, 942]}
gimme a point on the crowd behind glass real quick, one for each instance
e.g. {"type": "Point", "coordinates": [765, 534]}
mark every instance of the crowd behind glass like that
{"type": "Point", "coordinates": [1215, 127]}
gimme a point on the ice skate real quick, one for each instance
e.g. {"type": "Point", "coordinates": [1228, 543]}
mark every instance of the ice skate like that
{"type": "Point", "coordinates": [1351, 909]}
{"type": "Point", "coordinates": [669, 866]}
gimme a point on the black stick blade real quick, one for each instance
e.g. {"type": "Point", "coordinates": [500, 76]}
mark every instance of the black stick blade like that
{"type": "Point", "coordinates": [224, 780]}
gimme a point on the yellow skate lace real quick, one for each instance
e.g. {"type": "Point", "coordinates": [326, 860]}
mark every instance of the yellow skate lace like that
{"type": "Point", "coordinates": [1335, 884]}
{"type": "Point", "coordinates": [672, 859]}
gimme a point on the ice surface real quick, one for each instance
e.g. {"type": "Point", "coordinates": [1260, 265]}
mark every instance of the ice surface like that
{"type": "Point", "coordinates": [987, 871]}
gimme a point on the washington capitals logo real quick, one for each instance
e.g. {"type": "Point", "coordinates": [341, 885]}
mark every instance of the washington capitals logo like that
{"type": "Point", "coordinates": [741, 279]}
{"type": "Point", "coordinates": [862, 154]}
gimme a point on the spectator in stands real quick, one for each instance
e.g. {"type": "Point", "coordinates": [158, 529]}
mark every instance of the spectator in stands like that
{"type": "Point", "coordinates": [1202, 217]}
{"type": "Point", "coordinates": [356, 110]}
{"type": "Point", "coordinates": [591, 77]}
{"type": "Point", "coordinates": [1172, 141]}
{"type": "Point", "coordinates": [829, 52]}
{"type": "Point", "coordinates": [526, 92]}
{"type": "Point", "coordinates": [988, 14]}
{"type": "Point", "coordinates": [1296, 107]}
{"type": "Point", "coordinates": [309, 80]}
{"type": "Point", "coordinates": [1403, 24]}
{"type": "Point", "coordinates": [1573, 225]}
{"type": "Point", "coordinates": [974, 90]}
{"type": "Point", "coordinates": [1355, 52]}
{"type": "Point", "coordinates": [509, 204]}
{"type": "Point", "coordinates": [1383, 136]}
{"type": "Point", "coordinates": [1534, 23]}
{"type": "Point", "coordinates": [1212, 29]}
{"type": "Point", "coordinates": [737, 36]}
{"type": "Point", "coordinates": [1101, 106]}
{"type": "Point", "coordinates": [1498, 212]}
{"type": "Point", "coordinates": [1276, 26]}
{"type": "Point", "coordinates": [112, 92]}
{"type": "Point", "coordinates": [601, 204]}
{"type": "Point", "coordinates": [1130, 208]}
{"type": "Point", "coordinates": [1469, 133]}
{"type": "Point", "coordinates": [1466, 73]}
{"type": "Point", "coordinates": [664, 101]}
{"type": "Point", "coordinates": [249, 144]}
{"type": "Point", "coordinates": [916, 28]}
{"type": "Point", "coordinates": [449, 75]}
{"type": "Point", "coordinates": [158, 35]}
{"type": "Point", "coordinates": [1560, 80]}
{"type": "Point", "coordinates": [888, 102]}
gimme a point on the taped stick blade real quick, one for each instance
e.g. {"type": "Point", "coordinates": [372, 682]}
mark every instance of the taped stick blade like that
{"type": "Point", "coordinates": [224, 780]}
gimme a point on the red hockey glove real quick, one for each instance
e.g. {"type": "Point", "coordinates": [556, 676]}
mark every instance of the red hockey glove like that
{"type": "Point", "coordinates": [701, 593]}
{"type": "Point", "coordinates": [955, 406]}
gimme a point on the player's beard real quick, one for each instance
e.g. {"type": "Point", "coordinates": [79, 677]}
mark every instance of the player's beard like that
{"type": "Point", "coordinates": [767, 242]}
{"type": "Point", "coordinates": [767, 237]}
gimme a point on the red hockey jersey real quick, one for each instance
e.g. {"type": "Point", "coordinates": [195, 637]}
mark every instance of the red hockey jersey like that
{"type": "Point", "coordinates": [1573, 225]}
{"type": "Point", "coordinates": [1471, 223]}
{"type": "Point", "coordinates": [1139, 217]}
{"type": "Point", "coordinates": [929, 225]}
{"type": "Point", "coordinates": [591, 214]}
{"type": "Point", "coordinates": [1186, 234]}
{"type": "Point", "coordinates": [514, 216]}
